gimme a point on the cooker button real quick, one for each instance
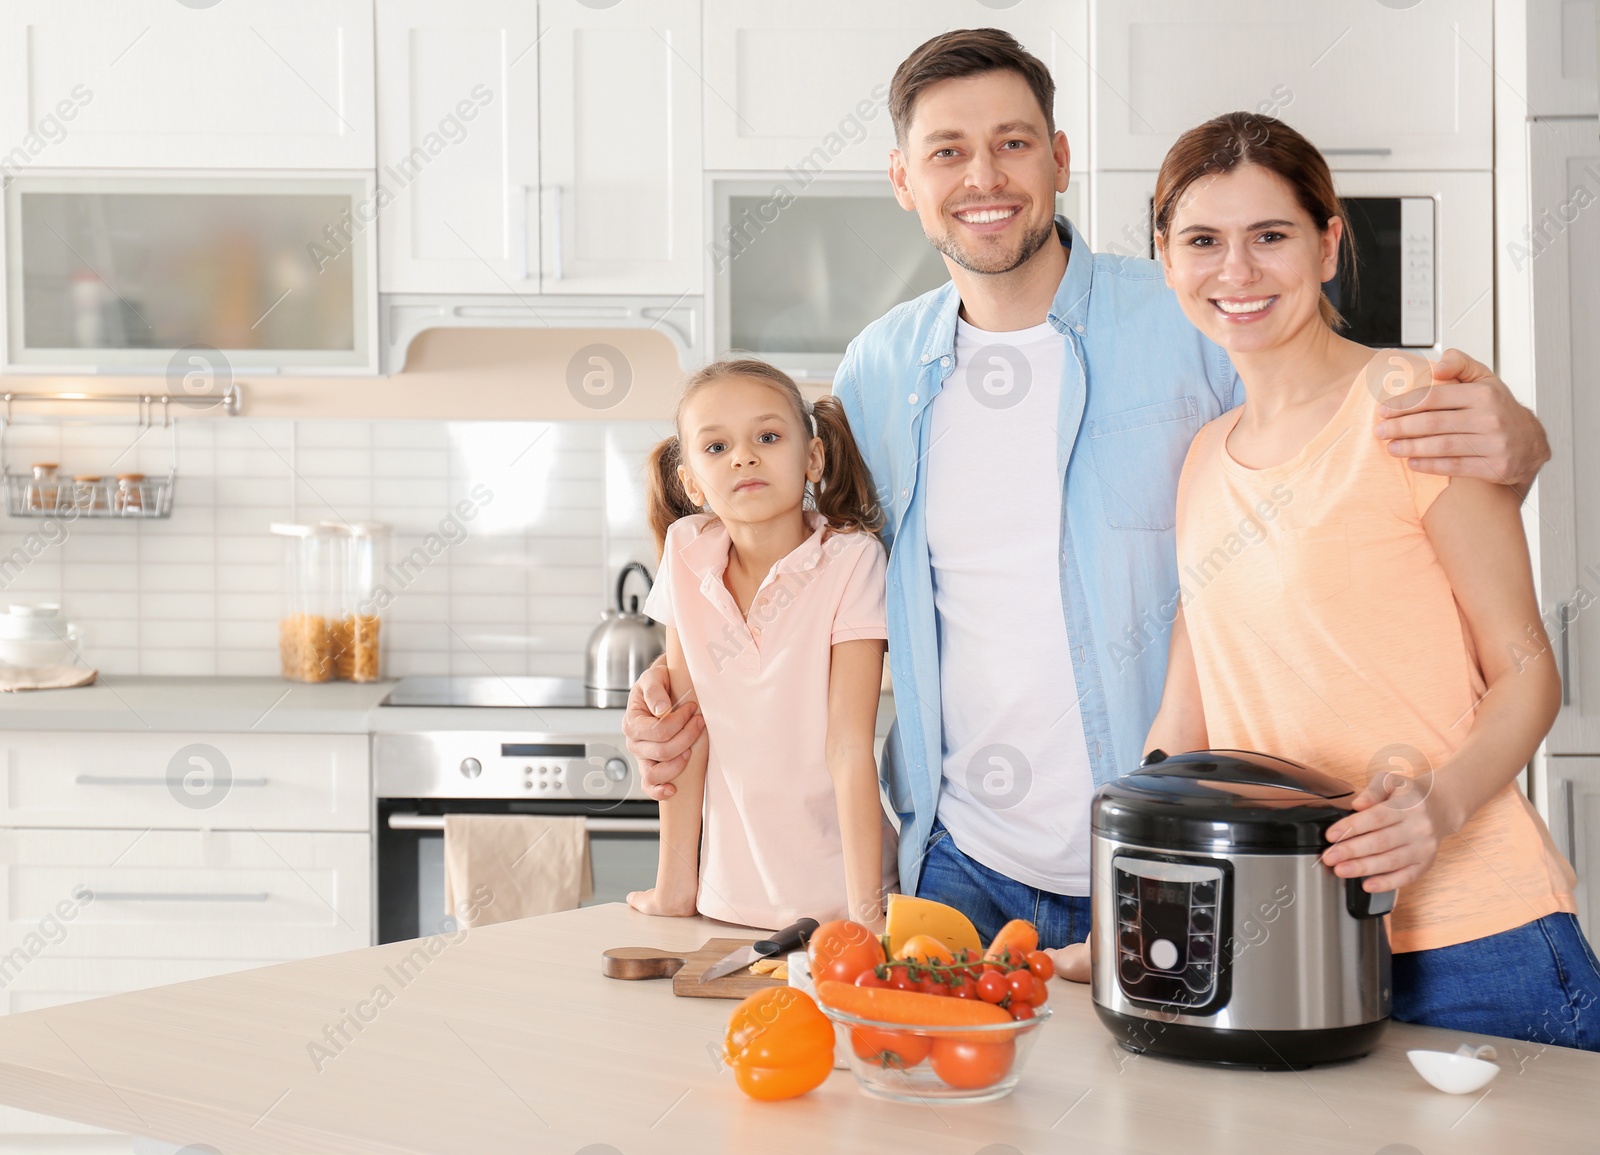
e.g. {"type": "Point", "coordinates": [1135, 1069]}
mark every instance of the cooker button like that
{"type": "Point", "coordinates": [1163, 954]}
{"type": "Point", "coordinates": [1200, 948]}
{"type": "Point", "coordinates": [1129, 939]}
{"type": "Point", "coordinates": [1205, 893]}
{"type": "Point", "coordinates": [1202, 921]}
{"type": "Point", "coordinates": [1126, 883]}
{"type": "Point", "coordinates": [1198, 979]}
{"type": "Point", "coordinates": [1128, 911]}
{"type": "Point", "coordinates": [1132, 971]}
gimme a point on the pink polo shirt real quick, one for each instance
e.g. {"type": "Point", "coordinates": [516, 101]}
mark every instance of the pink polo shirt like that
{"type": "Point", "coordinates": [770, 849]}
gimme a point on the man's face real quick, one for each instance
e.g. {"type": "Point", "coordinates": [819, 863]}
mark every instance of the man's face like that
{"type": "Point", "coordinates": [981, 170]}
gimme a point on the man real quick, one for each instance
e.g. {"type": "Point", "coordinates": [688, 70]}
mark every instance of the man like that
{"type": "Point", "coordinates": [1025, 425]}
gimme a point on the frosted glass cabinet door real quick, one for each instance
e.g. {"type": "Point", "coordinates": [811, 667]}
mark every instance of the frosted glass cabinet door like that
{"type": "Point", "coordinates": [619, 148]}
{"type": "Point", "coordinates": [264, 84]}
{"type": "Point", "coordinates": [458, 146]}
{"type": "Point", "coordinates": [121, 272]}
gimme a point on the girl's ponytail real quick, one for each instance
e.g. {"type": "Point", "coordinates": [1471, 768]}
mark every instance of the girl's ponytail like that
{"type": "Point", "coordinates": [668, 501]}
{"type": "Point", "coordinates": [844, 495]}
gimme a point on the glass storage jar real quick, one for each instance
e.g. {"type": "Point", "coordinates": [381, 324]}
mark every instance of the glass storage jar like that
{"type": "Point", "coordinates": [358, 633]}
{"type": "Point", "coordinates": [314, 597]}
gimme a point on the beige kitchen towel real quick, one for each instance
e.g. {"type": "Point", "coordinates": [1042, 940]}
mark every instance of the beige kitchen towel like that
{"type": "Point", "coordinates": [14, 678]}
{"type": "Point", "coordinates": [503, 866]}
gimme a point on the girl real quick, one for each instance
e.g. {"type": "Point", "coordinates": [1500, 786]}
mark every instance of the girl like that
{"type": "Point", "coordinates": [774, 608]}
{"type": "Point", "coordinates": [1352, 614]}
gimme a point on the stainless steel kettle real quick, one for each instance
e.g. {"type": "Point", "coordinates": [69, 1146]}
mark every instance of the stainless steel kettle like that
{"type": "Point", "coordinates": [622, 645]}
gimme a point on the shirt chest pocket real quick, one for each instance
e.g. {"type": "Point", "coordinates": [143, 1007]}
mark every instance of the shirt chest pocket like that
{"type": "Point", "coordinates": [1138, 454]}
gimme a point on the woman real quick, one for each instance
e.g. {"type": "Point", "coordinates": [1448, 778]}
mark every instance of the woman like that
{"type": "Point", "coordinates": [1346, 612]}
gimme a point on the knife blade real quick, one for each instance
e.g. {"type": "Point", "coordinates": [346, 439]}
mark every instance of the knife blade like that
{"type": "Point", "coordinates": [792, 937]}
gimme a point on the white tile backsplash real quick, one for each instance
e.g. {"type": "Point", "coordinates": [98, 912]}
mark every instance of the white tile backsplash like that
{"type": "Point", "coordinates": [514, 590]}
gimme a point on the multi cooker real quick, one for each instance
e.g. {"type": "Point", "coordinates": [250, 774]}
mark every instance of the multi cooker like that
{"type": "Point", "coordinates": [1217, 934]}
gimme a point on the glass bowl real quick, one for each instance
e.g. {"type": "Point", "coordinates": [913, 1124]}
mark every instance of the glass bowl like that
{"type": "Point", "coordinates": [909, 1064]}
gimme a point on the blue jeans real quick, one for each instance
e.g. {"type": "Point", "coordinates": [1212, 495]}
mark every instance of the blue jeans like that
{"type": "Point", "coordinates": [991, 900]}
{"type": "Point", "coordinates": [1539, 982]}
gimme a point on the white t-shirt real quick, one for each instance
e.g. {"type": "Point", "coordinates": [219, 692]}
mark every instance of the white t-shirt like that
{"type": "Point", "coordinates": [1017, 782]}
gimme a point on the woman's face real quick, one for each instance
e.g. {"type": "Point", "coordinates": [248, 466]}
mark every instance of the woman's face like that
{"type": "Point", "coordinates": [1246, 260]}
{"type": "Point", "coordinates": [745, 453]}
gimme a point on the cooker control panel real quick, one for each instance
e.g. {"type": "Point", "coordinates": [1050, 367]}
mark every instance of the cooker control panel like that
{"type": "Point", "coordinates": [1170, 927]}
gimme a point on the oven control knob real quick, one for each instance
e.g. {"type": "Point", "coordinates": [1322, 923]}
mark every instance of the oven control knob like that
{"type": "Point", "coordinates": [471, 767]}
{"type": "Point", "coordinates": [616, 770]}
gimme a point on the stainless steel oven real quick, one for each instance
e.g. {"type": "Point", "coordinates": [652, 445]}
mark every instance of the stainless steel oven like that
{"type": "Point", "coordinates": [458, 746]}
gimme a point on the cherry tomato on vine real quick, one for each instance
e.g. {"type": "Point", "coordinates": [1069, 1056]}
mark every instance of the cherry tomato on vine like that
{"type": "Point", "coordinates": [1021, 984]}
{"type": "Point", "coordinates": [1041, 966]}
{"type": "Point", "coordinates": [870, 979]}
{"type": "Point", "coordinates": [992, 987]}
{"type": "Point", "coordinates": [1021, 1011]}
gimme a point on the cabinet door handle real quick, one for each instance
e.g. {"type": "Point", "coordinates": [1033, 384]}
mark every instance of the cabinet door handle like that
{"type": "Point", "coordinates": [1357, 152]}
{"type": "Point", "coordinates": [593, 825]}
{"type": "Point", "coordinates": [1569, 788]}
{"type": "Point", "coordinates": [115, 780]}
{"type": "Point", "coordinates": [1563, 624]}
{"type": "Point", "coordinates": [178, 896]}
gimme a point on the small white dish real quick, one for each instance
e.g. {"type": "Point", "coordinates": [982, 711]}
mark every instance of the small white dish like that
{"type": "Point", "coordinates": [1457, 1073]}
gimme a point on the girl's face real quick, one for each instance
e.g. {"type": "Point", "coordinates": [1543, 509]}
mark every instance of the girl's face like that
{"type": "Point", "coordinates": [745, 452]}
{"type": "Point", "coordinates": [1246, 260]}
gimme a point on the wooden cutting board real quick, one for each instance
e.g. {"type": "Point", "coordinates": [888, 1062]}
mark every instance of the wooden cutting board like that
{"type": "Point", "coordinates": [685, 969]}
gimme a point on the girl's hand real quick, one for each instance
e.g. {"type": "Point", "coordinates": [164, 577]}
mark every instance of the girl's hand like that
{"type": "Point", "coordinates": [657, 901]}
{"type": "Point", "coordinates": [1392, 838]}
{"type": "Point", "coordinates": [1072, 962]}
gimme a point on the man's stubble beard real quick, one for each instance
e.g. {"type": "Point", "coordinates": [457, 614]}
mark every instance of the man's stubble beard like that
{"type": "Point", "coordinates": [1031, 244]}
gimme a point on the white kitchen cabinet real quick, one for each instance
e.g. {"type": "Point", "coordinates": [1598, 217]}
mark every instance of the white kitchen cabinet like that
{"type": "Point", "coordinates": [1563, 43]}
{"type": "Point", "coordinates": [185, 894]}
{"type": "Point", "coordinates": [620, 148]}
{"type": "Point", "coordinates": [1574, 794]}
{"type": "Point", "coordinates": [458, 146]}
{"type": "Point", "coordinates": [1374, 85]}
{"type": "Point", "coordinates": [802, 85]}
{"type": "Point", "coordinates": [294, 782]}
{"type": "Point", "coordinates": [266, 84]}
{"type": "Point", "coordinates": [1561, 251]}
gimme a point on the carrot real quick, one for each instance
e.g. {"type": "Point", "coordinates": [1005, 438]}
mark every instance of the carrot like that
{"type": "Point", "coordinates": [1019, 936]}
{"type": "Point", "coordinates": [908, 1008]}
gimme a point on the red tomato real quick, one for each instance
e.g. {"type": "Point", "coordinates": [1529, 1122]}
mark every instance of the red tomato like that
{"type": "Point", "coordinates": [992, 987]}
{"type": "Point", "coordinates": [1041, 993]}
{"type": "Point", "coordinates": [1021, 1011]}
{"type": "Point", "coordinates": [896, 1050]}
{"type": "Point", "coordinates": [967, 988]}
{"type": "Point", "coordinates": [870, 979]}
{"type": "Point", "coordinates": [900, 979]}
{"type": "Point", "coordinates": [841, 950]}
{"type": "Point", "coordinates": [1021, 984]}
{"type": "Point", "coordinates": [1041, 966]}
{"type": "Point", "coordinates": [972, 1066]}
{"type": "Point", "coordinates": [933, 986]}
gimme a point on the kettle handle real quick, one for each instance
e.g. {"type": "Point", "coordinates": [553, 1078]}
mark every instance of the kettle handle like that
{"type": "Point", "coordinates": [622, 582]}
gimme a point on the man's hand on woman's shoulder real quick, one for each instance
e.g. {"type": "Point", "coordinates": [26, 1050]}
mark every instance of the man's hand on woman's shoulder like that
{"type": "Point", "coordinates": [1466, 424]}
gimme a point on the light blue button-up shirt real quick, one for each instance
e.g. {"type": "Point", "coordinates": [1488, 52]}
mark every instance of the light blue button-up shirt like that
{"type": "Point", "coordinates": [1138, 381]}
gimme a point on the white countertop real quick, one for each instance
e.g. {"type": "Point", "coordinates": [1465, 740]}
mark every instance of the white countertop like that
{"type": "Point", "coordinates": [276, 706]}
{"type": "Point", "coordinates": [508, 1039]}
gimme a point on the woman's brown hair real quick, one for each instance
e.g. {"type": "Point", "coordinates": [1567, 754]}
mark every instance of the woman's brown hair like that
{"type": "Point", "coordinates": [844, 496]}
{"type": "Point", "coordinates": [1234, 139]}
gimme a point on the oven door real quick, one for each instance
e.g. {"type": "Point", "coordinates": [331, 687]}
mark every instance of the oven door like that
{"type": "Point", "coordinates": [624, 842]}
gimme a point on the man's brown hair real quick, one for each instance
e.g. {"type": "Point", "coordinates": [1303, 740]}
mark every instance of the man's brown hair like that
{"type": "Point", "coordinates": [966, 52]}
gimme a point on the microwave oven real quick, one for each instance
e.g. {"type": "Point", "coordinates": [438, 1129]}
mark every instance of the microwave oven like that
{"type": "Point", "coordinates": [798, 270]}
{"type": "Point", "coordinates": [1424, 246]}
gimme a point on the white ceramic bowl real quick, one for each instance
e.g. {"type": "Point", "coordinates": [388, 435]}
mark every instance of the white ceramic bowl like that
{"type": "Point", "coordinates": [1456, 1074]}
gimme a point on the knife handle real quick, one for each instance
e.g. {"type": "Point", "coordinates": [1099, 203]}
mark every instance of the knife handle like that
{"type": "Point", "coordinates": [792, 937]}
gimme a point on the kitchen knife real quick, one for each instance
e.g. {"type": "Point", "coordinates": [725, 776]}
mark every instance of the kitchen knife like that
{"type": "Point", "coordinates": [791, 937]}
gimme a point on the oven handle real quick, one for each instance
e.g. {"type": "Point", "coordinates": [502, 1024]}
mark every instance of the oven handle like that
{"type": "Point", "coordinates": [592, 825]}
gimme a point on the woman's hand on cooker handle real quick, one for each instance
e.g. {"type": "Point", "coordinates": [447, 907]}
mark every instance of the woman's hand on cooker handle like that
{"type": "Point", "coordinates": [1392, 838]}
{"type": "Point", "coordinates": [659, 734]}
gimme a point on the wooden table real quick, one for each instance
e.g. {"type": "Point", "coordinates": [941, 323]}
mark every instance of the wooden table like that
{"type": "Point", "coordinates": [508, 1039]}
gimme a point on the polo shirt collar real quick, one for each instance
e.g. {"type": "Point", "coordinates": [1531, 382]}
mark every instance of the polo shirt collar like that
{"type": "Point", "coordinates": [707, 555]}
